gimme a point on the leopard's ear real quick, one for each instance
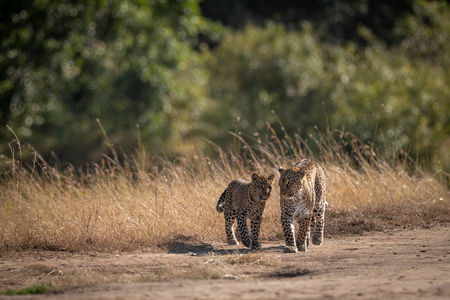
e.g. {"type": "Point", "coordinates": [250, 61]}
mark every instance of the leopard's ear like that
{"type": "Point", "coordinates": [281, 169]}
{"type": "Point", "coordinates": [271, 178]}
{"type": "Point", "coordinates": [295, 169]}
{"type": "Point", "coordinates": [255, 176]}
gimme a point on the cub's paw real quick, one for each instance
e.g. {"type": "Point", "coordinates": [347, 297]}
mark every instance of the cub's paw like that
{"type": "Point", "coordinates": [246, 244]}
{"type": "Point", "coordinates": [232, 242]}
{"type": "Point", "coordinates": [290, 249]}
{"type": "Point", "coordinates": [256, 246]}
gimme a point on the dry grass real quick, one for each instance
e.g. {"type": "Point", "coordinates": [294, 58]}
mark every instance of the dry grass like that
{"type": "Point", "coordinates": [124, 206]}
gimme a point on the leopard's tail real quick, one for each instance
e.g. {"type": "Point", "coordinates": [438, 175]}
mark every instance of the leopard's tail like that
{"type": "Point", "coordinates": [221, 203]}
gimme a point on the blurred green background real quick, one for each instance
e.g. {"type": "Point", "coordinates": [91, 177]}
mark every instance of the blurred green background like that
{"type": "Point", "coordinates": [189, 71]}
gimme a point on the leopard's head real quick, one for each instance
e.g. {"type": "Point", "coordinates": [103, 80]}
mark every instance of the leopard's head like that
{"type": "Point", "coordinates": [261, 186]}
{"type": "Point", "coordinates": [290, 181]}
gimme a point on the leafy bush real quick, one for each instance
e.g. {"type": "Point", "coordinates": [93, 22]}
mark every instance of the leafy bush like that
{"type": "Point", "coordinates": [64, 65]}
{"type": "Point", "coordinates": [124, 62]}
{"type": "Point", "coordinates": [386, 95]}
{"type": "Point", "coordinates": [258, 70]}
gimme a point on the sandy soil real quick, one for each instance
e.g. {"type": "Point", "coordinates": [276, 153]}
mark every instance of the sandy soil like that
{"type": "Point", "coordinates": [407, 263]}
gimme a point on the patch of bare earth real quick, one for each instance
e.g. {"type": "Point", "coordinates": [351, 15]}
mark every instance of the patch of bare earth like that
{"type": "Point", "coordinates": [407, 263]}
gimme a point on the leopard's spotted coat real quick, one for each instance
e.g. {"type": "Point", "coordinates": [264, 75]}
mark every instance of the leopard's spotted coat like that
{"type": "Point", "coordinates": [302, 198]}
{"type": "Point", "coordinates": [244, 200]}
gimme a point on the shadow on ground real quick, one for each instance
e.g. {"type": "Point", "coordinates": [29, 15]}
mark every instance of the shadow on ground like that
{"type": "Point", "coordinates": [203, 249]}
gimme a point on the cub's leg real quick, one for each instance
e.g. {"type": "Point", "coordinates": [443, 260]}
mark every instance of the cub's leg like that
{"type": "Point", "coordinates": [303, 233]}
{"type": "Point", "coordinates": [255, 225]}
{"type": "Point", "coordinates": [242, 229]}
{"type": "Point", "coordinates": [230, 216]}
{"type": "Point", "coordinates": [287, 223]}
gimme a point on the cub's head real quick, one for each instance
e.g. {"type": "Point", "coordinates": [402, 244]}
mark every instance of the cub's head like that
{"type": "Point", "coordinates": [261, 186]}
{"type": "Point", "coordinates": [290, 181]}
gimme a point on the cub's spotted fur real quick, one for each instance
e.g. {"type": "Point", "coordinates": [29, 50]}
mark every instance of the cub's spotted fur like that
{"type": "Point", "coordinates": [302, 198]}
{"type": "Point", "coordinates": [244, 200]}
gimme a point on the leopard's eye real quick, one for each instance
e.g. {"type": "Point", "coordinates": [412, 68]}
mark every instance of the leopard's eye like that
{"type": "Point", "coordinates": [268, 189]}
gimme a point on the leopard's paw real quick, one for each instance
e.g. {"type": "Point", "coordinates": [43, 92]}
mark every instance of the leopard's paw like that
{"type": "Point", "coordinates": [232, 242]}
{"type": "Point", "coordinates": [302, 246]}
{"type": "Point", "coordinates": [290, 249]}
{"type": "Point", "coordinates": [317, 240]}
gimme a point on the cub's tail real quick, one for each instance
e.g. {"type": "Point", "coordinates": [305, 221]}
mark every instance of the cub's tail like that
{"type": "Point", "coordinates": [221, 203]}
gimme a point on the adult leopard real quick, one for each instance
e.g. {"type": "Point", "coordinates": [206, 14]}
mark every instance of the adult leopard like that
{"type": "Point", "coordinates": [244, 200]}
{"type": "Point", "coordinates": [302, 198]}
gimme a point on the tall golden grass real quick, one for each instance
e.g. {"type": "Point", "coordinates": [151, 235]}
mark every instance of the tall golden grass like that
{"type": "Point", "coordinates": [123, 204]}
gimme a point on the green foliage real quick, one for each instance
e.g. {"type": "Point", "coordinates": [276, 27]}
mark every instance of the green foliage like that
{"type": "Point", "coordinates": [124, 62]}
{"type": "Point", "coordinates": [387, 95]}
{"type": "Point", "coordinates": [338, 20]}
{"type": "Point", "coordinates": [31, 290]}
{"type": "Point", "coordinates": [400, 95]}
{"type": "Point", "coordinates": [258, 70]}
{"type": "Point", "coordinates": [377, 70]}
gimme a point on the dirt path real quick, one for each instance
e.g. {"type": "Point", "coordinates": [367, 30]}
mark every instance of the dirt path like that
{"type": "Point", "coordinates": [397, 264]}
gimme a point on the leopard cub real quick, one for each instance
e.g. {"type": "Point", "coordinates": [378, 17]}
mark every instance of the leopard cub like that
{"type": "Point", "coordinates": [244, 200]}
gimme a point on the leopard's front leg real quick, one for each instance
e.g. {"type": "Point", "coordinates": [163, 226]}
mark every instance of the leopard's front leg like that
{"type": "Point", "coordinates": [287, 223]}
{"type": "Point", "coordinates": [303, 232]}
{"type": "Point", "coordinates": [242, 230]}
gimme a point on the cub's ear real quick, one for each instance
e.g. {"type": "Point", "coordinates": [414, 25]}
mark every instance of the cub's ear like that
{"type": "Point", "coordinates": [255, 176]}
{"type": "Point", "coordinates": [295, 169]}
{"type": "Point", "coordinates": [281, 169]}
{"type": "Point", "coordinates": [271, 178]}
